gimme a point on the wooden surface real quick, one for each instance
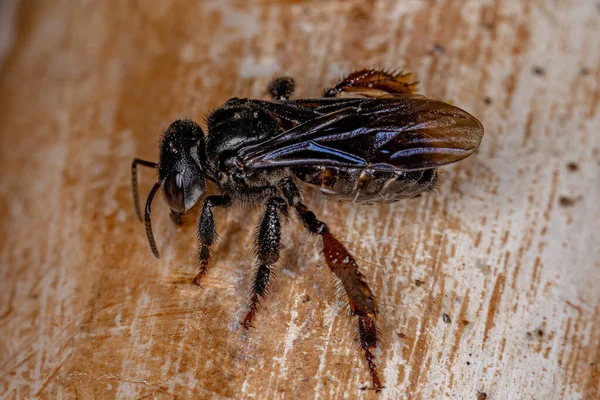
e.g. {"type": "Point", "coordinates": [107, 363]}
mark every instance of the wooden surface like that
{"type": "Point", "coordinates": [508, 248]}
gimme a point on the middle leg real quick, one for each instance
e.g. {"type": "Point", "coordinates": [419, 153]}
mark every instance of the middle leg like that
{"type": "Point", "coordinates": [267, 246]}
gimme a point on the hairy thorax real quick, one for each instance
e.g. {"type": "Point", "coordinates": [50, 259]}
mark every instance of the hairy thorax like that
{"type": "Point", "coordinates": [256, 187]}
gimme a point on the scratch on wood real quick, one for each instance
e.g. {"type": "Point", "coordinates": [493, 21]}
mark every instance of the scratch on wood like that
{"type": "Point", "coordinates": [52, 375]}
{"type": "Point", "coordinates": [552, 195]}
{"type": "Point", "coordinates": [493, 306]}
{"type": "Point", "coordinates": [462, 316]}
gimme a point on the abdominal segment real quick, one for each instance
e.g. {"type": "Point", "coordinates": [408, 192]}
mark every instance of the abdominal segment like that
{"type": "Point", "coordinates": [368, 186]}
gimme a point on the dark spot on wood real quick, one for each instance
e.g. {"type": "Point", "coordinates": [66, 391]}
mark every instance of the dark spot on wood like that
{"type": "Point", "coordinates": [306, 299]}
{"type": "Point", "coordinates": [468, 362]}
{"type": "Point", "coordinates": [465, 323]}
{"type": "Point", "coordinates": [358, 13]}
{"type": "Point", "coordinates": [446, 318]}
{"type": "Point", "coordinates": [481, 395]}
{"type": "Point", "coordinates": [573, 167]}
{"type": "Point", "coordinates": [566, 201]}
{"type": "Point", "coordinates": [536, 333]}
{"type": "Point", "coordinates": [418, 282]}
{"type": "Point", "coordinates": [437, 49]}
{"type": "Point", "coordinates": [539, 71]}
{"type": "Point", "coordinates": [487, 100]}
{"type": "Point", "coordinates": [584, 71]}
{"type": "Point", "coordinates": [402, 336]}
{"type": "Point", "coordinates": [488, 26]}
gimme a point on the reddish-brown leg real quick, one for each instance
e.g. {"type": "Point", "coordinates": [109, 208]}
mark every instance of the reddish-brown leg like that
{"type": "Point", "coordinates": [342, 264]}
{"type": "Point", "coordinates": [373, 83]}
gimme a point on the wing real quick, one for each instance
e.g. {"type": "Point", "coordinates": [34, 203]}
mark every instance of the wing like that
{"type": "Point", "coordinates": [397, 132]}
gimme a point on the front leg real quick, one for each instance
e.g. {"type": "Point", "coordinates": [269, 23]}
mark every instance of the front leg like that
{"type": "Point", "coordinates": [266, 247]}
{"type": "Point", "coordinates": [207, 232]}
{"type": "Point", "coordinates": [342, 264]}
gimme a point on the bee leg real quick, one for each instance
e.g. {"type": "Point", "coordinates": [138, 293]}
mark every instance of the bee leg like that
{"type": "Point", "coordinates": [342, 264]}
{"type": "Point", "coordinates": [267, 246]}
{"type": "Point", "coordinates": [207, 232]}
{"type": "Point", "coordinates": [282, 88]}
{"type": "Point", "coordinates": [373, 83]}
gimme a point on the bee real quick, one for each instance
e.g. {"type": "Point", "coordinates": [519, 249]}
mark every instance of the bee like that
{"type": "Point", "coordinates": [369, 139]}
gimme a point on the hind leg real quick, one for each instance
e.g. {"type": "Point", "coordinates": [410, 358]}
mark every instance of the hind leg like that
{"type": "Point", "coordinates": [342, 264]}
{"type": "Point", "coordinates": [373, 83]}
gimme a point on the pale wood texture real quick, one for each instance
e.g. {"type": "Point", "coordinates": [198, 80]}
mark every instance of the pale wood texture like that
{"type": "Point", "coordinates": [508, 248]}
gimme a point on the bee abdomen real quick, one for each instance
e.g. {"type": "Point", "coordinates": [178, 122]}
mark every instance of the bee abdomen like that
{"type": "Point", "coordinates": [368, 186]}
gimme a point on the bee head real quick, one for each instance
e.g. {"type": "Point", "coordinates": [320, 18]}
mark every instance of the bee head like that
{"type": "Point", "coordinates": [179, 171]}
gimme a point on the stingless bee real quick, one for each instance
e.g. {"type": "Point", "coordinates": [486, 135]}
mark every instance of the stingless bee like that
{"type": "Point", "coordinates": [369, 139]}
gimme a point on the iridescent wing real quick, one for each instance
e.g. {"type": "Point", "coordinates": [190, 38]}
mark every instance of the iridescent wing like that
{"type": "Point", "coordinates": [396, 132]}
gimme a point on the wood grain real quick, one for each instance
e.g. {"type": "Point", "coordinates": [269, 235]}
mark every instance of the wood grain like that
{"type": "Point", "coordinates": [508, 249]}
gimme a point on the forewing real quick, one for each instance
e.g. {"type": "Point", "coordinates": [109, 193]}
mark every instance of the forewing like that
{"type": "Point", "coordinates": [400, 132]}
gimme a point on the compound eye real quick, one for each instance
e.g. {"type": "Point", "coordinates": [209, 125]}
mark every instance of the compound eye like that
{"type": "Point", "coordinates": [173, 190]}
